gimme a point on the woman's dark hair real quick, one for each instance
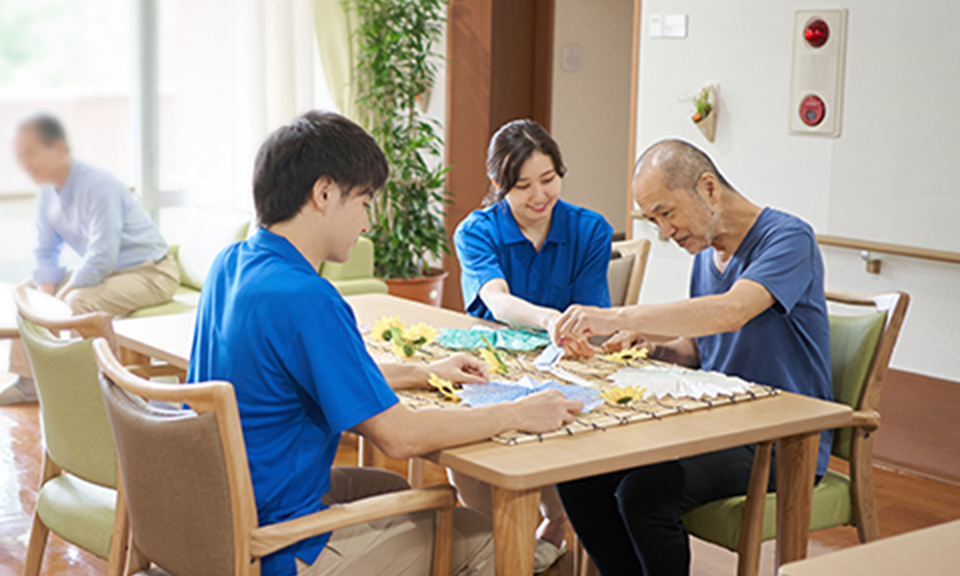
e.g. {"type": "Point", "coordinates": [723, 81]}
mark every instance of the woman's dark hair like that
{"type": "Point", "coordinates": [316, 144]}
{"type": "Point", "coordinates": [510, 147]}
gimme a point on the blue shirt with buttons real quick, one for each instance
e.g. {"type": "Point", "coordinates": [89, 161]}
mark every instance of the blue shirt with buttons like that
{"type": "Point", "coordinates": [289, 344]}
{"type": "Point", "coordinates": [95, 214]}
{"type": "Point", "coordinates": [570, 267]}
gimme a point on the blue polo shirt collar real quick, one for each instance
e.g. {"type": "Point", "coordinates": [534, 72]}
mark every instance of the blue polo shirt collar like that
{"type": "Point", "coordinates": [267, 240]}
{"type": "Point", "coordinates": [510, 230]}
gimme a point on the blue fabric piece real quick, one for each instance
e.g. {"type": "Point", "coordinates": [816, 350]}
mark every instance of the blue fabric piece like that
{"type": "Point", "coordinates": [788, 345]}
{"type": "Point", "coordinates": [506, 339]}
{"type": "Point", "coordinates": [289, 344]}
{"type": "Point", "coordinates": [100, 219]}
{"type": "Point", "coordinates": [570, 268]}
{"type": "Point", "coordinates": [476, 395]}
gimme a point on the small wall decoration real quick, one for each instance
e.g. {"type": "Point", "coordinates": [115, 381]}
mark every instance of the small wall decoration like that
{"type": "Point", "coordinates": [705, 116]}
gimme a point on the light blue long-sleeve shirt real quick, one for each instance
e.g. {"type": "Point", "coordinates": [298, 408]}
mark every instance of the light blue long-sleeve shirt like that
{"type": "Point", "coordinates": [96, 215]}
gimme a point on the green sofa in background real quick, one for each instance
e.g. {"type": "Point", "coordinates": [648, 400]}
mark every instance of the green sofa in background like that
{"type": "Point", "coordinates": [212, 230]}
{"type": "Point", "coordinates": [355, 276]}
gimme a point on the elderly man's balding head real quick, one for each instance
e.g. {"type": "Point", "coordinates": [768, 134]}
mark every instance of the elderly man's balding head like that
{"type": "Point", "coordinates": [680, 163]}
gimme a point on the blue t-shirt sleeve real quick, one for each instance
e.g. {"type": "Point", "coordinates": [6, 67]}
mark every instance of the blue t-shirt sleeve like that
{"type": "Point", "coordinates": [784, 265]}
{"type": "Point", "coordinates": [479, 261]}
{"type": "Point", "coordinates": [590, 286]}
{"type": "Point", "coordinates": [332, 365]}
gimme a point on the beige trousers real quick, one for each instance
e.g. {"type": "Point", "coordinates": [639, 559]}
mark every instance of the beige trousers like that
{"type": "Point", "coordinates": [124, 291]}
{"type": "Point", "coordinates": [476, 495]}
{"type": "Point", "coordinates": [118, 294]}
{"type": "Point", "coordinates": [400, 545]}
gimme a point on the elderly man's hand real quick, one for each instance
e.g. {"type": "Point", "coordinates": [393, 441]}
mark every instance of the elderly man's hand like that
{"type": "Point", "coordinates": [577, 324]}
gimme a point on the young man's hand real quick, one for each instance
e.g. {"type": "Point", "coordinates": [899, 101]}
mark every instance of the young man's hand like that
{"type": "Point", "coordinates": [460, 369]}
{"type": "Point", "coordinates": [544, 411]}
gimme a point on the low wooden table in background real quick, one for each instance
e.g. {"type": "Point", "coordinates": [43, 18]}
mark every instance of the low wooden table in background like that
{"type": "Point", "coordinates": [517, 473]}
{"type": "Point", "coordinates": [932, 551]}
{"type": "Point", "coordinates": [8, 327]}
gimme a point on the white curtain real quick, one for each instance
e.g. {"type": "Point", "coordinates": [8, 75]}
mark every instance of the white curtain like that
{"type": "Point", "coordinates": [276, 64]}
{"type": "Point", "coordinates": [334, 31]}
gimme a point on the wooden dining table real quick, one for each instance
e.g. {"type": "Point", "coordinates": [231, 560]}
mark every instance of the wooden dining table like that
{"type": "Point", "coordinates": [516, 473]}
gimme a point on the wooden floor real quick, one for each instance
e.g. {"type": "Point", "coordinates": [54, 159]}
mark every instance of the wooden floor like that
{"type": "Point", "coordinates": [904, 503]}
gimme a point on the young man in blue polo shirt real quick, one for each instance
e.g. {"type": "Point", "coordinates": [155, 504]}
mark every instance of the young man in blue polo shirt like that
{"type": "Point", "coordinates": [757, 310]}
{"type": "Point", "coordinates": [289, 344]}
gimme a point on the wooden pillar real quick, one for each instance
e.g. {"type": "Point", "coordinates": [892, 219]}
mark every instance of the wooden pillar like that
{"type": "Point", "coordinates": [499, 69]}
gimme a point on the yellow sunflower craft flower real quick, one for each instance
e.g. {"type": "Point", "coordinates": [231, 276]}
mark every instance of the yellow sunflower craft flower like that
{"type": "Point", "coordinates": [621, 396]}
{"type": "Point", "coordinates": [406, 342]}
{"type": "Point", "coordinates": [387, 327]}
{"type": "Point", "coordinates": [492, 358]}
{"type": "Point", "coordinates": [627, 356]}
{"type": "Point", "coordinates": [445, 387]}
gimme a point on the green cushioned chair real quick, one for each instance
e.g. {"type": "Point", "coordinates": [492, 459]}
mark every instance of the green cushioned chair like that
{"type": "Point", "coordinates": [210, 231]}
{"type": "Point", "coordinates": [78, 494]}
{"type": "Point", "coordinates": [860, 349]}
{"type": "Point", "coordinates": [355, 276]}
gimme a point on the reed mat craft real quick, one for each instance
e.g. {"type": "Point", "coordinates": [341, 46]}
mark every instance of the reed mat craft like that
{"type": "Point", "coordinates": [656, 390]}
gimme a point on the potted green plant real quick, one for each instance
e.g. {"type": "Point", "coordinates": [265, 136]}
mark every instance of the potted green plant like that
{"type": "Point", "coordinates": [395, 71]}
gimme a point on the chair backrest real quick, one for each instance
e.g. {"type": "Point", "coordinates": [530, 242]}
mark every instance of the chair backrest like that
{"type": "Point", "coordinates": [56, 316]}
{"type": "Point", "coordinates": [359, 265]}
{"type": "Point", "coordinates": [860, 350]}
{"type": "Point", "coordinates": [75, 426]}
{"type": "Point", "coordinates": [628, 262]}
{"type": "Point", "coordinates": [210, 231]}
{"type": "Point", "coordinates": [185, 477]}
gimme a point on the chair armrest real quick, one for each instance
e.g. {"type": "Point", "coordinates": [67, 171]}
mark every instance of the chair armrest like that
{"type": "Point", "coordinates": [869, 420]}
{"type": "Point", "coordinates": [148, 371]}
{"type": "Point", "coordinates": [268, 539]}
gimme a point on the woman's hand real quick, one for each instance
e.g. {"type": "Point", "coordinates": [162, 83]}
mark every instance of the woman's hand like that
{"type": "Point", "coordinates": [460, 369]}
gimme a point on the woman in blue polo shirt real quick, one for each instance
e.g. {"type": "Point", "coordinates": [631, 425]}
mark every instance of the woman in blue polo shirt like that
{"type": "Point", "coordinates": [525, 257]}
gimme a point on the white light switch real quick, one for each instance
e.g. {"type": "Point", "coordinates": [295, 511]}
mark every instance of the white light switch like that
{"type": "Point", "coordinates": [667, 26]}
{"type": "Point", "coordinates": [572, 58]}
{"type": "Point", "coordinates": [816, 82]}
{"type": "Point", "coordinates": [675, 26]}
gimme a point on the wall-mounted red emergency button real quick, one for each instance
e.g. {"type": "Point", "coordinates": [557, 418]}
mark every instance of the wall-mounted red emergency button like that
{"type": "Point", "coordinates": [812, 110]}
{"type": "Point", "coordinates": [816, 33]}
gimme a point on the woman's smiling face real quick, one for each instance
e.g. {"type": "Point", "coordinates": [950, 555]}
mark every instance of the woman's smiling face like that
{"type": "Point", "coordinates": [537, 190]}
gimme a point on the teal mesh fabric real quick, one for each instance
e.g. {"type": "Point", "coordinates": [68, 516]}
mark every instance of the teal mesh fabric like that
{"type": "Point", "coordinates": [506, 339]}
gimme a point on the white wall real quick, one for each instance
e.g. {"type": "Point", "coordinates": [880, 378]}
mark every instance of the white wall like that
{"type": "Point", "coordinates": [888, 177]}
{"type": "Point", "coordinates": [591, 107]}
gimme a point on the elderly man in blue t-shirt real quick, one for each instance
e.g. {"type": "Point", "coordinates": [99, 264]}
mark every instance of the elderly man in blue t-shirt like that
{"type": "Point", "coordinates": [756, 310]}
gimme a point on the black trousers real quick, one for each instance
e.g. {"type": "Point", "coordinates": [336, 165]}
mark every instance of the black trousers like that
{"type": "Point", "coordinates": [629, 521]}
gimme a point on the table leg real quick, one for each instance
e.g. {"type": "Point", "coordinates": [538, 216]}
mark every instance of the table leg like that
{"type": "Point", "coordinates": [796, 469]}
{"type": "Point", "coordinates": [514, 529]}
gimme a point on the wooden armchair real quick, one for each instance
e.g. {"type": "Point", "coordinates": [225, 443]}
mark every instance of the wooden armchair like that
{"type": "Point", "coordinates": [55, 315]}
{"type": "Point", "coordinates": [185, 484]}
{"type": "Point", "coordinates": [860, 349]}
{"type": "Point", "coordinates": [628, 263]}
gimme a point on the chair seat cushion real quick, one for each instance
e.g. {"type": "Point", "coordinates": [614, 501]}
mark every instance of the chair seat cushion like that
{"type": "Point", "coordinates": [185, 299]}
{"type": "Point", "coordinates": [79, 512]}
{"type": "Point", "coordinates": [719, 521]}
{"type": "Point", "coordinates": [353, 287]}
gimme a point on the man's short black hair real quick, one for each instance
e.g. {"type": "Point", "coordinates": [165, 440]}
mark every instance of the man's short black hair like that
{"type": "Point", "coordinates": [47, 127]}
{"type": "Point", "coordinates": [316, 144]}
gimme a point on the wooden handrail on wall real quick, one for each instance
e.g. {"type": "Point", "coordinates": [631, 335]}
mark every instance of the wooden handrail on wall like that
{"type": "Point", "coordinates": [892, 249]}
{"type": "Point", "coordinates": [868, 247]}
